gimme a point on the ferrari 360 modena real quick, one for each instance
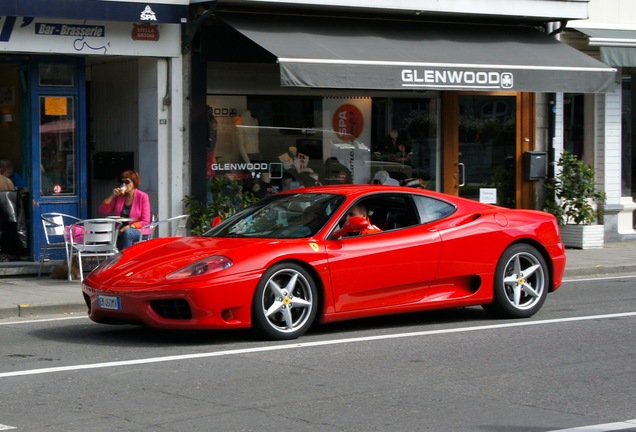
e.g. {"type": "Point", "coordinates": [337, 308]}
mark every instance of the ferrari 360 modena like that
{"type": "Point", "coordinates": [304, 256]}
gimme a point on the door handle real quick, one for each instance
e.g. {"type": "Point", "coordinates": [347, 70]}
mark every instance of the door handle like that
{"type": "Point", "coordinates": [462, 174]}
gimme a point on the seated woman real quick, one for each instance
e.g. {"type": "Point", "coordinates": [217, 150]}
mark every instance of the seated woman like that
{"type": "Point", "coordinates": [128, 201]}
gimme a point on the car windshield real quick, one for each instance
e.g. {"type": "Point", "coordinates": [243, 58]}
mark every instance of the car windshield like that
{"type": "Point", "coordinates": [281, 216]}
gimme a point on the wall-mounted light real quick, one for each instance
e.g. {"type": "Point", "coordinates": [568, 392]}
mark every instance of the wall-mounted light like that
{"type": "Point", "coordinates": [6, 118]}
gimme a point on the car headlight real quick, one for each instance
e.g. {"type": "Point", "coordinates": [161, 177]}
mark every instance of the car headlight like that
{"type": "Point", "coordinates": [206, 266]}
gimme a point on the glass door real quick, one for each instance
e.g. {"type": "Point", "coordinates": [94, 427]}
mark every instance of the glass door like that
{"type": "Point", "coordinates": [58, 147]}
{"type": "Point", "coordinates": [487, 148]}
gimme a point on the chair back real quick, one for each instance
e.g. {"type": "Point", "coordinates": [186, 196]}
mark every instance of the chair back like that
{"type": "Point", "coordinates": [177, 227]}
{"type": "Point", "coordinates": [95, 235]}
{"type": "Point", "coordinates": [93, 238]}
{"type": "Point", "coordinates": [54, 226]}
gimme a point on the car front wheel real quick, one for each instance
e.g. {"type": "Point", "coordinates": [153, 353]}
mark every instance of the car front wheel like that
{"type": "Point", "coordinates": [285, 302]}
{"type": "Point", "coordinates": [521, 283]}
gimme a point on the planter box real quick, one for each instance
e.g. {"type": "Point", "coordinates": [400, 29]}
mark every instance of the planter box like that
{"type": "Point", "coordinates": [583, 236]}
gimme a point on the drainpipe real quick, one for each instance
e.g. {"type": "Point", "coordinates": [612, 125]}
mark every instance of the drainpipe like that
{"type": "Point", "coordinates": [187, 35]}
{"type": "Point", "coordinates": [552, 30]}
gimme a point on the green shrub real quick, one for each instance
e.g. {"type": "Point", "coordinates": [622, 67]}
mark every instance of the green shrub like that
{"type": "Point", "coordinates": [228, 197]}
{"type": "Point", "coordinates": [571, 193]}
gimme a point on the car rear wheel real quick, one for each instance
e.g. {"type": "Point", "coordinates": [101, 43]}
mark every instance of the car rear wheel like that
{"type": "Point", "coordinates": [521, 283]}
{"type": "Point", "coordinates": [285, 302]}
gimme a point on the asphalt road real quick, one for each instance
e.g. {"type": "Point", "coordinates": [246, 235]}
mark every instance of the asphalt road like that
{"type": "Point", "coordinates": [572, 365]}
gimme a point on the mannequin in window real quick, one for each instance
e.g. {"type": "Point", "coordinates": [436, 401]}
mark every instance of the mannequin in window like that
{"type": "Point", "coordinates": [213, 126]}
{"type": "Point", "coordinates": [247, 131]}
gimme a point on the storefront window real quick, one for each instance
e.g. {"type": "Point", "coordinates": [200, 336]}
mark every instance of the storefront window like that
{"type": "Point", "coordinates": [56, 75]}
{"type": "Point", "coordinates": [574, 123]}
{"type": "Point", "coordinates": [487, 146]}
{"type": "Point", "coordinates": [406, 144]}
{"type": "Point", "coordinates": [280, 143]}
{"type": "Point", "coordinates": [57, 146]}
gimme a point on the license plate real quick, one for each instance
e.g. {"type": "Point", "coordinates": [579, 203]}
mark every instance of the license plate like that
{"type": "Point", "coordinates": [109, 302]}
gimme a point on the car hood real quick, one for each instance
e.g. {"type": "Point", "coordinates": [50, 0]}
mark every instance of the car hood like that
{"type": "Point", "coordinates": [151, 261]}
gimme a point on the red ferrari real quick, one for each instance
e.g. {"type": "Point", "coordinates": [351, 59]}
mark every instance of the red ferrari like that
{"type": "Point", "coordinates": [334, 253]}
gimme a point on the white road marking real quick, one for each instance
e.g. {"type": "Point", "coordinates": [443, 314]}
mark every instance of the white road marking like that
{"type": "Point", "coordinates": [599, 278]}
{"type": "Point", "coordinates": [42, 320]}
{"type": "Point", "coordinates": [607, 427]}
{"type": "Point", "coordinates": [6, 427]}
{"type": "Point", "coordinates": [306, 345]}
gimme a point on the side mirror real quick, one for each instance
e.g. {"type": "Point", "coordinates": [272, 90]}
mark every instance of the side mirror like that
{"type": "Point", "coordinates": [215, 221]}
{"type": "Point", "coordinates": [353, 224]}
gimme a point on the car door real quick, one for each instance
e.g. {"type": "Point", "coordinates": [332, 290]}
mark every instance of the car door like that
{"type": "Point", "coordinates": [389, 268]}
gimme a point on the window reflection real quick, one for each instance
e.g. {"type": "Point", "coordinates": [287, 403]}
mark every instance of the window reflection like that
{"type": "Point", "coordinates": [274, 143]}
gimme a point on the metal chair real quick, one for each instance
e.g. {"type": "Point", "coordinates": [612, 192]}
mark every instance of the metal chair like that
{"type": "Point", "coordinates": [177, 227]}
{"type": "Point", "coordinates": [55, 227]}
{"type": "Point", "coordinates": [93, 238]}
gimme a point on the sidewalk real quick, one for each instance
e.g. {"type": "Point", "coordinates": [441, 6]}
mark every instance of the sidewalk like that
{"type": "Point", "coordinates": [26, 295]}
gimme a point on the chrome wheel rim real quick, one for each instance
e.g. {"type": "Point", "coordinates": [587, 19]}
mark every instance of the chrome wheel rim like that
{"type": "Point", "coordinates": [287, 301]}
{"type": "Point", "coordinates": [524, 281]}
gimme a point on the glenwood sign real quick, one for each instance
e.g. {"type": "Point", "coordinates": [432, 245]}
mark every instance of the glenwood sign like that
{"type": "Point", "coordinates": [456, 78]}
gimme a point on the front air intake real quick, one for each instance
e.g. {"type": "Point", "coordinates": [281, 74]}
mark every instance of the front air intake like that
{"type": "Point", "coordinates": [178, 309]}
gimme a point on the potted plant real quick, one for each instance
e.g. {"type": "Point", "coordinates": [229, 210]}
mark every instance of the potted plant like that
{"type": "Point", "coordinates": [227, 197]}
{"type": "Point", "coordinates": [573, 198]}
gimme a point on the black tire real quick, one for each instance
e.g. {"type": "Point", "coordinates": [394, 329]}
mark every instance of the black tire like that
{"type": "Point", "coordinates": [521, 283]}
{"type": "Point", "coordinates": [285, 302]}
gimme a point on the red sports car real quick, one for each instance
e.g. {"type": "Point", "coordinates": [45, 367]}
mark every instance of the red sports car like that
{"type": "Point", "coordinates": [334, 253]}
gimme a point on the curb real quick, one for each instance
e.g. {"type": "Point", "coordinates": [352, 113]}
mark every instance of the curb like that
{"type": "Point", "coordinates": [599, 269]}
{"type": "Point", "coordinates": [26, 310]}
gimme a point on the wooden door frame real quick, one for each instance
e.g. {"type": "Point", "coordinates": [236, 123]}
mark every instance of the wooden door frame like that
{"type": "Point", "coordinates": [525, 141]}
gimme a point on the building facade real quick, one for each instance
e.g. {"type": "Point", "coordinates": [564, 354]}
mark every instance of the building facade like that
{"type": "Point", "coordinates": [459, 97]}
{"type": "Point", "coordinates": [463, 98]}
{"type": "Point", "coordinates": [90, 88]}
{"type": "Point", "coordinates": [609, 34]}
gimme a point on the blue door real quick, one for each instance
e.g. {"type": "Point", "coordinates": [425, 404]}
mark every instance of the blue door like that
{"type": "Point", "coordinates": [57, 111]}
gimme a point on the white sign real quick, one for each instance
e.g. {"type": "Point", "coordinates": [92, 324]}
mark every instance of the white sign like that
{"type": "Point", "coordinates": [350, 121]}
{"type": "Point", "coordinates": [50, 35]}
{"type": "Point", "coordinates": [488, 195]}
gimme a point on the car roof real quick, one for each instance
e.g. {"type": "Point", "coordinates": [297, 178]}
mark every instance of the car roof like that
{"type": "Point", "coordinates": [360, 189]}
{"type": "Point", "coordinates": [349, 189]}
{"type": "Point", "coordinates": [353, 191]}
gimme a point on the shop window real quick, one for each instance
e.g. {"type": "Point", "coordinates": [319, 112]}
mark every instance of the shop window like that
{"type": "Point", "coordinates": [56, 75]}
{"type": "Point", "coordinates": [57, 146]}
{"type": "Point", "coordinates": [487, 147]}
{"type": "Point", "coordinates": [574, 123]}
{"type": "Point", "coordinates": [275, 143]}
{"type": "Point", "coordinates": [408, 147]}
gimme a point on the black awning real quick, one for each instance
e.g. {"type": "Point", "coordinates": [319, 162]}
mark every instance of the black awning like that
{"type": "Point", "coordinates": [406, 55]}
{"type": "Point", "coordinates": [618, 47]}
{"type": "Point", "coordinates": [170, 11]}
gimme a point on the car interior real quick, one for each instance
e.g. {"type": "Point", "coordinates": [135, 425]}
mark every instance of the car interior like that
{"type": "Point", "coordinates": [389, 212]}
{"type": "Point", "coordinates": [394, 211]}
